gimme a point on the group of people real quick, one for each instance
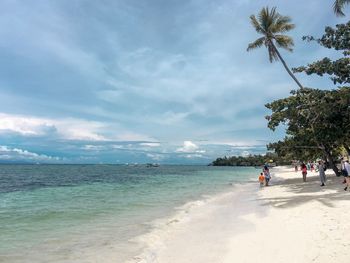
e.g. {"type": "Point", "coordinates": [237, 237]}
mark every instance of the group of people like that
{"type": "Point", "coordinates": [321, 168]}
{"type": "Point", "coordinates": [265, 176]}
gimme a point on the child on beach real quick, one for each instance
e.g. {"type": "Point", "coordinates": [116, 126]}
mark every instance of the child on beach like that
{"type": "Point", "coordinates": [261, 179]}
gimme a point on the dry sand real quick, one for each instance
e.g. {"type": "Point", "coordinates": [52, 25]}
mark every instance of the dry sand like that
{"type": "Point", "coordinates": [289, 221]}
{"type": "Point", "coordinates": [304, 222]}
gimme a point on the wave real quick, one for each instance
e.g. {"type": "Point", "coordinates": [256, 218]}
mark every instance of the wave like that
{"type": "Point", "coordinates": [163, 229]}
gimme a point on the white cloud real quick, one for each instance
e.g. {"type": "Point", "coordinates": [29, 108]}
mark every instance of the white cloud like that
{"type": "Point", "coordinates": [245, 153]}
{"type": "Point", "coordinates": [25, 126]}
{"type": "Point", "coordinates": [196, 155]}
{"type": "Point", "coordinates": [236, 144]}
{"type": "Point", "coordinates": [90, 147]}
{"type": "Point", "coordinates": [71, 129]}
{"type": "Point", "coordinates": [67, 128]}
{"type": "Point", "coordinates": [155, 156]}
{"type": "Point", "coordinates": [8, 153]}
{"type": "Point", "coordinates": [150, 144]}
{"type": "Point", "coordinates": [188, 147]}
{"type": "Point", "coordinates": [131, 136]}
{"type": "Point", "coordinates": [117, 146]}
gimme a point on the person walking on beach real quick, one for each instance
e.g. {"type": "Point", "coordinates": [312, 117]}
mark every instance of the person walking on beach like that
{"type": "Point", "coordinates": [347, 174]}
{"type": "Point", "coordinates": [343, 170]}
{"type": "Point", "coordinates": [261, 179]}
{"type": "Point", "coordinates": [267, 175]}
{"type": "Point", "coordinates": [322, 174]}
{"type": "Point", "coordinates": [304, 171]}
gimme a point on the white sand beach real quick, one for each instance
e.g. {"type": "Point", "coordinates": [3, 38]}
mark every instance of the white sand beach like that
{"type": "Point", "coordinates": [289, 221]}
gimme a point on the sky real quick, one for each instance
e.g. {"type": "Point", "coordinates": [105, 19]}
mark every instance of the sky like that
{"type": "Point", "coordinates": [130, 81]}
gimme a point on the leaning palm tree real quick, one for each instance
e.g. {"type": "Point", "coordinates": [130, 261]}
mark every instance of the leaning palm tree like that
{"type": "Point", "coordinates": [272, 25]}
{"type": "Point", "coordinates": [339, 6]}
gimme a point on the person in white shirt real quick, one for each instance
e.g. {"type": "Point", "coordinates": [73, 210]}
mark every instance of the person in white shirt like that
{"type": "Point", "coordinates": [347, 176]}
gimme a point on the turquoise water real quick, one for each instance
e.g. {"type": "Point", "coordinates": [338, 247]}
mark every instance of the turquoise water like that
{"type": "Point", "coordinates": [77, 213]}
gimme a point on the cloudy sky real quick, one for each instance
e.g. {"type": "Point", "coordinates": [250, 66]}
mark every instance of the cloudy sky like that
{"type": "Point", "coordinates": [118, 81]}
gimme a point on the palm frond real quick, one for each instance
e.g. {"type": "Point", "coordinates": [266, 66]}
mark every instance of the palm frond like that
{"type": "Point", "coordinates": [338, 7]}
{"type": "Point", "coordinates": [282, 24]}
{"type": "Point", "coordinates": [284, 42]}
{"type": "Point", "coordinates": [256, 24]}
{"type": "Point", "coordinates": [256, 44]}
{"type": "Point", "coordinates": [266, 18]}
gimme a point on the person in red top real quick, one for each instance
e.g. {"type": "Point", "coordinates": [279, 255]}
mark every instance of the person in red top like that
{"type": "Point", "coordinates": [304, 171]}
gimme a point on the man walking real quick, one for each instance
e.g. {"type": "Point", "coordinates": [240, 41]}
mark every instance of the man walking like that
{"type": "Point", "coordinates": [321, 173]}
{"type": "Point", "coordinates": [347, 177]}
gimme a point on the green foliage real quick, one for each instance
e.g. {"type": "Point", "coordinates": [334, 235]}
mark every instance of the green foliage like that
{"type": "Point", "coordinates": [296, 149]}
{"type": "Point", "coordinates": [338, 39]}
{"type": "Point", "coordinates": [251, 160]}
{"type": "Point", "coordinates": [318, 123]}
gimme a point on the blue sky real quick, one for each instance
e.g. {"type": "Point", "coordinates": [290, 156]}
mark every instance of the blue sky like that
{"type": "Point", "coordinates": [144, 81]}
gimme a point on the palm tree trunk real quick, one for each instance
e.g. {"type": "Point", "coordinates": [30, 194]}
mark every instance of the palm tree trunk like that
{"type": "Point", "coordinates": [286, 67]}
{"type": "Point", "coordinates": [330, 159]}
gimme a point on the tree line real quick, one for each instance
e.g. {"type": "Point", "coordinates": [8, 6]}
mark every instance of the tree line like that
{"type": "Point", "coordinates": [251, 160]}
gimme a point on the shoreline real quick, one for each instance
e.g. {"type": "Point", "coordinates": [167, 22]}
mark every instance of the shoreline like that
{"type": "Point", "coordinates": [109, 217]}
{"type": "Point", "coordinates": [188, 222]}
{"type": "Point", "coordinates": [289, 221]}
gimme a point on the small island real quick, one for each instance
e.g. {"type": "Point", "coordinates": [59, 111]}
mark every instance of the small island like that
{"type": "Point", "coordinates": [251, 160]}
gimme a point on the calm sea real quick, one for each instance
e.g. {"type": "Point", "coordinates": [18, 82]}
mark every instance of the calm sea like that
{"type": "Point", "coordinates": [94, 213]}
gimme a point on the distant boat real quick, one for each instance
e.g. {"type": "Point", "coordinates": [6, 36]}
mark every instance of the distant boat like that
{"type": "Point", "coordinates": [152, 165]}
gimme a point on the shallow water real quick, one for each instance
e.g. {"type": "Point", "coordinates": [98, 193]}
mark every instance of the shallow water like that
{"type": "Point", "coordinates": [89, 213]}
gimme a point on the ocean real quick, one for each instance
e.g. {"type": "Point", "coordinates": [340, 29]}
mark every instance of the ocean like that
{"type": "Point", "coordinates": [98, 213]}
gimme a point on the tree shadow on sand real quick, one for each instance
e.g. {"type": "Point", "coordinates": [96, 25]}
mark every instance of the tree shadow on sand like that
{"type": "Point", "coordinates": [300, 193]}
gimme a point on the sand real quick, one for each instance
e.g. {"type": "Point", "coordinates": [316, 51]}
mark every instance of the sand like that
{"type": "Point", "coordinates": [289, 221]}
